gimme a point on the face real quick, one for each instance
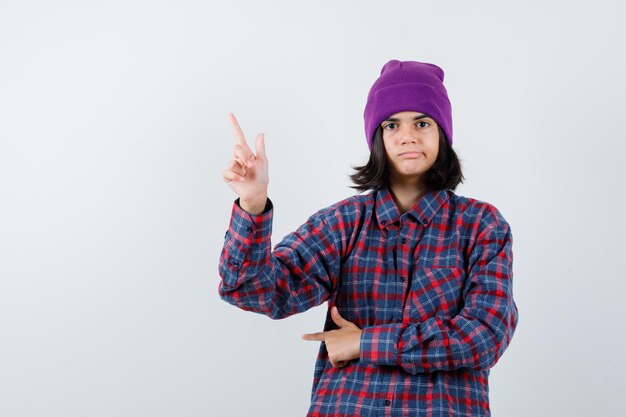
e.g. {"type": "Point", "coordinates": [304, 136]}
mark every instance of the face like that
{"type": "Point", "coordinates": [411, 142]}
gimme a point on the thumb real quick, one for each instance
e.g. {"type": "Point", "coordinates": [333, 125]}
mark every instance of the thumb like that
{"type": "Point", "coordinates": [340, 321]}
{"type": "Point", "coordinates": [260, 146]}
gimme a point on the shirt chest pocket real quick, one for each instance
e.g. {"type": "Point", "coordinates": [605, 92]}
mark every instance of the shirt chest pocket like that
{"type": "Point", "coordinates": [436, 292]}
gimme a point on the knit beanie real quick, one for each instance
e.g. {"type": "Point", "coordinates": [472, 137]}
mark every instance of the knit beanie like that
{"type": "Point", "coordinates": [408, 86]}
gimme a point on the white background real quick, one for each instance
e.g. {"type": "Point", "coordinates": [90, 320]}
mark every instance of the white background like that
{"type": "Point", "coordinates": [114, 135]}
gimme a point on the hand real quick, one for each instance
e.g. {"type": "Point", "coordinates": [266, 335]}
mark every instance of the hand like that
{"type": "Point", "coordinates": [343, 344]}
{"type": "Point", "coordinates": [247, 173]}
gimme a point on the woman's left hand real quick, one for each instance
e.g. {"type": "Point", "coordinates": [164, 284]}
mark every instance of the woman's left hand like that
{"type": "Point", "coordinates": [343, 344]}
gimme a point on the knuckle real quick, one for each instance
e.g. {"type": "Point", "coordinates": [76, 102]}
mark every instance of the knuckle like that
{"type": "Point", "coordinates": [237, 165]}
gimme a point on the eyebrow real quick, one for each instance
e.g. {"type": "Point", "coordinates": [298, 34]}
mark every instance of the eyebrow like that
{"type": "Point", "coordinates": [393, 119]}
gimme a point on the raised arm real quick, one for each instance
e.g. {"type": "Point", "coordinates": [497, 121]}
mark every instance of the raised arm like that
{"type": "Point", "coordinates": [299, 273]}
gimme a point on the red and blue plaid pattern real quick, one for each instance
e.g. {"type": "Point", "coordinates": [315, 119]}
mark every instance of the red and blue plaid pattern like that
{"type": "Point", "coordinates": [432, 290]}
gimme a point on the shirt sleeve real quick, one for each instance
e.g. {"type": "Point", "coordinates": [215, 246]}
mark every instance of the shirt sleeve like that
{"type": "Point", "coordinates": [301, 272]}
{"type": "Point", "coordinates": [475, 338]}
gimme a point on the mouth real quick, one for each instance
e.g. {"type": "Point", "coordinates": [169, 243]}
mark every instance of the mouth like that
{"type": "Point", "coordinates": [411, 154]}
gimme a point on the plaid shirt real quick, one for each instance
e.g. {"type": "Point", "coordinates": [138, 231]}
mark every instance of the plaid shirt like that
{"type": "Point", "coordinates": [431, 289]}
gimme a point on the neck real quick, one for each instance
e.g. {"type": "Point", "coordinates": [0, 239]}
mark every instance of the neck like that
{"type": "Point", "coordinates": [406, 192]}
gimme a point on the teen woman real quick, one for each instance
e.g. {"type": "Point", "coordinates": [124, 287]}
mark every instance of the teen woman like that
{"type": "Point", "coordinates": [418, 279]}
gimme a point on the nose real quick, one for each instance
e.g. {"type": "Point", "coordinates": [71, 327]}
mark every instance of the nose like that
{"type": "Point", "coordinates": [408, 135]}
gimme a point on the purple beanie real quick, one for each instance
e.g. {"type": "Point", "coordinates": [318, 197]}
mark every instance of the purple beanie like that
{"type": "Point", "coordinates": [408, 86]}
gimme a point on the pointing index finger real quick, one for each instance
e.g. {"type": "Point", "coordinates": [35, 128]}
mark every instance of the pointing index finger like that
{"type": "Point", "coordinates": [321, 336]}
{"type": "Point", "coordinates": [239, 137]}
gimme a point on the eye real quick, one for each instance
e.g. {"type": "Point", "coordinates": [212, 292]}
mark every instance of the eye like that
{"type": "Point", "coordinates": [423, 124]}
{"type": "Point", "coordinates": [389, 124]}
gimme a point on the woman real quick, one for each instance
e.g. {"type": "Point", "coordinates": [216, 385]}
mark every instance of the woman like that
{"type": "Point", "coordinates": [418, 279]}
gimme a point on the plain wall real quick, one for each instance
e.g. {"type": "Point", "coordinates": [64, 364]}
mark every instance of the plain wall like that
{"type": "Point", "coordinates": [114, 135]}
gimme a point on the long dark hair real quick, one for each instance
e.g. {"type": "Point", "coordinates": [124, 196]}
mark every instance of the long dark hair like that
{"type": "Point", "coordinates": [445, 174]}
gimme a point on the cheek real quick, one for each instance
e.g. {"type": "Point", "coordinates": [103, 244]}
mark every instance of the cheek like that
{"type": "Point", "coordinates": [433, 145]}
{"type": "Point", "coordinates": [435, 151]}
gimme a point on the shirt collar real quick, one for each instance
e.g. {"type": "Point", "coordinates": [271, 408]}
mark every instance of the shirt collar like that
{"type": "Point", "coordinates": [423, 211]}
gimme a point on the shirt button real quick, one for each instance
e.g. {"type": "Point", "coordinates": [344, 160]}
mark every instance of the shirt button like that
{"type": "Point", "coordinates": [387, 402]}
{"type": "Point", "coordinates": [403, 240]}
{"type": "Point", "coordinates": [401, 279]}
{"type": "Point", "coordinates": [383, 222]}
{"type": "Point", "coordinates": [249, 229]}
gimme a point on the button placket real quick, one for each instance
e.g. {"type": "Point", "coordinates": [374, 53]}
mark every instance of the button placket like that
{"type": "Point", "coordinates": [402, 255]}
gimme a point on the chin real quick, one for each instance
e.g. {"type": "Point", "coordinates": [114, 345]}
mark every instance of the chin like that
{"type": "Point", "coordinates": [413, 172]}
{"type": "Point", "coordinates": [410, 175]}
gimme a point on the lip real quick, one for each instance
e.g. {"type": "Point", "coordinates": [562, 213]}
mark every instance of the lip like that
{"type": "Point", "coordinates": [411, 154]}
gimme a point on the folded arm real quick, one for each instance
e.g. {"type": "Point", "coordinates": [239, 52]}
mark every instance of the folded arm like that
{"type": "Point", "coordinates": [475, 338]}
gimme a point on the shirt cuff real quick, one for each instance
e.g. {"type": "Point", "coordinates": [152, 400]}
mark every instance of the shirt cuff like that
{"type": "Point", "coordinates": [250, 228]}
{"type": "Point", "coordinates": [379, 344]}
{"type": "Point", "coordinates": [246, 242]}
